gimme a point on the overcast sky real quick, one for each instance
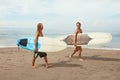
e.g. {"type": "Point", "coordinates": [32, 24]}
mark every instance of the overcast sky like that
{"type": "Point", "coordinates": [55, 14]}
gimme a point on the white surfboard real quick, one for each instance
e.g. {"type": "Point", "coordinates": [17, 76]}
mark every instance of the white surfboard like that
{"type": "Point", "coordinates": [92, 38]}
{"type": "Point", "coordinates": [51, 45]}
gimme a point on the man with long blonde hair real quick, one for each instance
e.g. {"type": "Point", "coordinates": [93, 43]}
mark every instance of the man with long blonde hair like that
{"type": "Point", "coordinates": [36, 53]}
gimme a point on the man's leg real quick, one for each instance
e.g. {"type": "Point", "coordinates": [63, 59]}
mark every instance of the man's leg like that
{"type": "Point", "coordinates": [46, 62]}
{"type": "Point", "coordinates": [43, 54]}
{"type": "Point", "coordinates": [79, 53]}
{"type": "Point", "coordinates": [71, 55]}
{"type": "Point", "coordinates": [33, 60]}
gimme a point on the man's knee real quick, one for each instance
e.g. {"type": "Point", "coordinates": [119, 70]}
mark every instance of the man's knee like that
{"type": "Point", "coordinates": [76, 49]}
{"type": "Point", "coordinates": [80, 48]}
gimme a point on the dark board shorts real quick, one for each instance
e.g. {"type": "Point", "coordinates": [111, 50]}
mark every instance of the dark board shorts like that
{"type": "Point", "coordinates": [42, 54]}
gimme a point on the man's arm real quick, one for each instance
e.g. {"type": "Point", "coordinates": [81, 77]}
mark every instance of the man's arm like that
{"type": "Point", "coordinates": [35, 42]}
{"type": "Point", "coordinates": [75, 38]}
{"type": "Point", "coordinates": [81, 31]}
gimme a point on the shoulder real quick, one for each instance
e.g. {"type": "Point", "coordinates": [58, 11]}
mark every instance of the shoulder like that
{"type": "Point", "coordinates": [36, 34]}
{"type": "Point", "coordinates": [76, 32]}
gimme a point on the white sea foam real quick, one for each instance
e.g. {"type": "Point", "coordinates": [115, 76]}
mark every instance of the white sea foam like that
{"type": "Point", "coordinates": [8, 46]}
{"type": "Point", "coordinates": [103, 48]}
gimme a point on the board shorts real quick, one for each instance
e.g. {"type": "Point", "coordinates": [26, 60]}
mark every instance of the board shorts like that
{"type": "Point", "coordinates": [78, 48]}
{"type": "Point", "coordinates": [40, 54]}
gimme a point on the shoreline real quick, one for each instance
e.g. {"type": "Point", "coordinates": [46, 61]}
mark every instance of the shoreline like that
{"type": "Point", "coordinates": [97, 48]}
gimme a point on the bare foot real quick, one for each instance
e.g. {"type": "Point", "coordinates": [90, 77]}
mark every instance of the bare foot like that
{"type": "Point", "coordinates": [48, 66]}
{"type": "Point", "coordinates": [70, 57]}
{"type": "Point", "coordinates": [33, 67]}
{"type": "Point", "coordinates": [81, 59]}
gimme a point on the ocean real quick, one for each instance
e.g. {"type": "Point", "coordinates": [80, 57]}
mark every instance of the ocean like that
{"type": "Point", "coordinates": [9, 36]}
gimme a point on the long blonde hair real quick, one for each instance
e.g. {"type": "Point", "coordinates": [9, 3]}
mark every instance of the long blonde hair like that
{"type": "Point", "coordinates": [39, 27]}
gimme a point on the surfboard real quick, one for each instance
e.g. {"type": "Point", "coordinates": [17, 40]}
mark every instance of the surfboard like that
{"type": "Point", "coordinates": [92, 38]}
{"type": "Point", "coordinates": [46, 44]}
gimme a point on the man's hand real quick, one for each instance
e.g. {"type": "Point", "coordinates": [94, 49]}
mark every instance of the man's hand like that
{"type": "Point", "coordinates": [35, 50]}
{"type": "Point", "coordinates": [75, 44]}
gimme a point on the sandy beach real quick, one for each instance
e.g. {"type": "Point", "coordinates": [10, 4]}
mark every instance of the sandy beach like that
{"type": "Point", "coordinates": [97, 65]}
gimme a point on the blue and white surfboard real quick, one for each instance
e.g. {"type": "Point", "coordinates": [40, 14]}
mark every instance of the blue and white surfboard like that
{"type": "Point", "coordinates": [44, 44]}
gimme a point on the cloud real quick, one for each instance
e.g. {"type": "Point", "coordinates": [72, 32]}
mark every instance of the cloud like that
{"type": "Point", "coordinates": [61, 7]}
{"type": "Point", "coordinates": [57, 13]}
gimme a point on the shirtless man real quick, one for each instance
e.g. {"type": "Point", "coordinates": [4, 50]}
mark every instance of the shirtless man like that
{"type": "Point", "coordinates": [36, 53]}
{"type": "Point", "coordinates": [77, 48]}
